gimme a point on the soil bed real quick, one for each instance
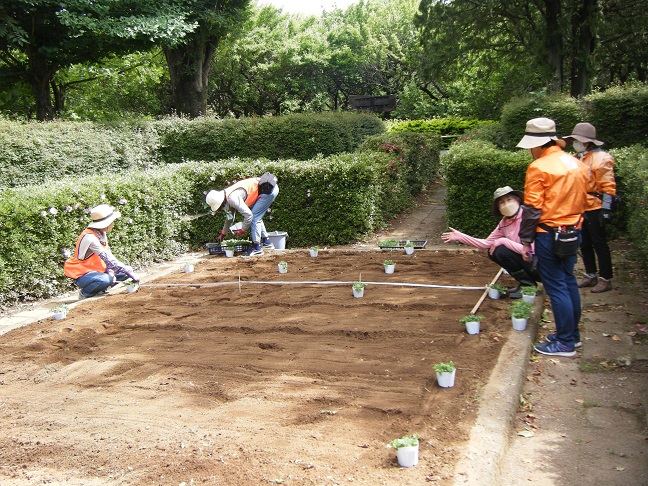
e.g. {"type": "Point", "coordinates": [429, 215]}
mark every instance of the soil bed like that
{"type": "Point", "coordinates": [279, 384]}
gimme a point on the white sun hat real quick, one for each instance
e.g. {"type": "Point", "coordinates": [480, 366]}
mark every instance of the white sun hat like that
{"type": "Point", "coordinates": [538, 132]}
{"type": "Point", "coordinates": [215, 199]}
{"type": "Point", "coordinates": [102, 216]}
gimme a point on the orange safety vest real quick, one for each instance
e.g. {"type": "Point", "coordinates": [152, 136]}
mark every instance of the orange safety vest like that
{"type": "Point", "coordinates": [251, 187]}
{"type": "Point", "coordinates": [556, 183]}
{"type": "Point", "coordinates": [76, 267]}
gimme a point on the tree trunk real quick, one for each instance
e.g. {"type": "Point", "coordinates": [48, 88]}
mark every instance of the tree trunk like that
{"type": "Point", "coordinates": [554, 43]}
{"type": "Point", "coordinates": [39, 75]}
{"type": "Point", "coordinates": [189, 66]}
{"type": "Point", "coordinates": [584, 41]}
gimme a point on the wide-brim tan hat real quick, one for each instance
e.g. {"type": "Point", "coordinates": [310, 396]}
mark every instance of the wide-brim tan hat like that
{"type": "Point", "coordinates": [585, 132]}
{"type": "Point", "coordinates": [503, 191]}
{"type": "Point", "coordinates": [538, 132]}
{"type": "Point", "coordinates": [215, 199]}
{"type": "Point", "coordinates": [102, 216]}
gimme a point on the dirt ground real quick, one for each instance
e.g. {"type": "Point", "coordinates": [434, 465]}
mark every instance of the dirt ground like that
{"type": "Point", "coordinates": [283, 384]}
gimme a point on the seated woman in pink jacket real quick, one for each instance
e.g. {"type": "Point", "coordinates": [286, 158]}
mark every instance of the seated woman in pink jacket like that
{"type": "Point", "coordinates": [503, 244]}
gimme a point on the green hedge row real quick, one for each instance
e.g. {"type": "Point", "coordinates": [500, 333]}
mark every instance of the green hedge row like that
{"type": "Point", "coordinates": [31, 153]}
{"type": "Point", "coordinates": [472, 170]}
{"type": "Point", "coordinates": [619, 114]}
{"type": "Point", "coordinates": [441, 126]}
{"type": "Point", "coordinates": [299, 136]}
{"type": "Point", "coordinates": [324, 201]}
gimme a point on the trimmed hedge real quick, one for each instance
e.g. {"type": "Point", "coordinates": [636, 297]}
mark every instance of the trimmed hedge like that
{"type": "Point", "coordinates": [32, 153]}
{"type": "Point", "coordinates": [299, 136]}
{"type": "Point", "coordinates": [325, 201]}
{"type": "Point", "coordinates": [441, 126]}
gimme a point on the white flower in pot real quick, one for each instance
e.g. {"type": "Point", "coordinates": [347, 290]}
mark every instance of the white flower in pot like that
{"type": "Point", "coordinates": [131, 286]}
{"type": "Point", "coordinates": [188, 267]}
{"type": "Point", "coordinates": [229, 248]}
{"type": "Point", "coordinates": [472, 323]}
{"type": "Point", "coordinates": [313, 250]}
{"type": "Point", "coordinates": [445, 372]}
{"type": "Point", "coordinates": [407, 448]}
{"type": "Point", "coordinates": [358, 289]}
{"type": "Point", "coordinates": [283, 267]}
{"type": "Point", "coordinates": [60, 311]}
{"type": "Point", "coordinates": [409, 247]}
{"type": "Point", "coordinates": [495, 291]}
{"type": "Point", "coordinates": [389, 265]}
{"type": "Point", "coordinates": [520, 312]}
{"type": "Point", "coordinates": [529, 293]}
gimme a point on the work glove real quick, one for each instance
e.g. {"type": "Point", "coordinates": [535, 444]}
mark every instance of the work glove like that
{"type": "Point", "coordinates": [134, 277]}
{"type": "Point", "coordinates": [239, 232]}
{"type": "Point", "coordinates": [221, 236]}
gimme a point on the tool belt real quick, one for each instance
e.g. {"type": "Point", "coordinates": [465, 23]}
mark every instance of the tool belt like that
{"type": "Point", "coordinates": [565, 242]}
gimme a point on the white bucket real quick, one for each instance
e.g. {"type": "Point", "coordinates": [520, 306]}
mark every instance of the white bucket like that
{"type": "Point", "coordinates": [278, 239]}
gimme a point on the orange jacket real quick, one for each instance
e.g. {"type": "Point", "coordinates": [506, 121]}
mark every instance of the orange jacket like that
{"type": "Point", "coordinates": [601, 177]}
{"type": "Point", "coordinates": [556, 185]}
{"type": "Point", "coordinates": [75, 267]}
{"type": "Point", "coordinates": [251, 187]}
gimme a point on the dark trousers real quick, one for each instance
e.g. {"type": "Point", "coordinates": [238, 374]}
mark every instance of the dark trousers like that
{"type": "Point", "coordinates": [515, 265]}
{"type": "Point", "coordinates": [595, 246]}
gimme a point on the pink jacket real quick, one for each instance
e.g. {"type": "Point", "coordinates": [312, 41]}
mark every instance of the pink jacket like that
{"type": "Point", "coordinates": [505, 234]}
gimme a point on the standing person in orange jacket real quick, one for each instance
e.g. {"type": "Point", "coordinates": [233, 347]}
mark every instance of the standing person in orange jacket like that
{"type": "Point", "coordinates": [555, 193]}
{"type": "Point", "coordinates": [600, 192]}
{"type": "Point", "coordinates": [251, 198]}
{"type": "Point", "coordinates": [93, 267]}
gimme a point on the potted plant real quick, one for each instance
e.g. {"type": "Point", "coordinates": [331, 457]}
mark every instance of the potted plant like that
{"type": "Point", "coordinates": [358, 289]}
{"type": "Point", "coordinates": [445, 373]}
{"type": "Point", "coordinates": [131, 286]}
{"type": "Point", "coordinates": [409, 247]}
{"type": "Point", "coordinates": [495, 291]}
{"type": "Point", "coordinates": [60, 311]}
{"type": "Point", "coordinates": [188, 267]}
{"type": "Point", "coordinates": [389, 265]}
{"type": "Point", "coordinates": [472, 323]}
{"type": "Point", "coordinates": [313, 251]}
{"type": "Point", "coordinates": [407, 448]}
{"type": "Point", "coordinates": [529, 293]}
{"type": "Point", "coordinates": [520, 312]}
{"type": "Point", "coordinates": [229, 248]}
{"type": "Point", "coordinates": [283, 267]}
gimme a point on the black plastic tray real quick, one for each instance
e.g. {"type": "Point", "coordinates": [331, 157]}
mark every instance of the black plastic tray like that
{"type": "Point", "coordinates": [218, 249]}
{"type": "Point", "coordinates": [401, 244]}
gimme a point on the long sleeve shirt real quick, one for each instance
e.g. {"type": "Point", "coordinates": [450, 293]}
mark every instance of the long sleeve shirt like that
{"type": "Point", "coordinates": [506, 233]}
{"type": "Point", "coordinates": [601, 177]}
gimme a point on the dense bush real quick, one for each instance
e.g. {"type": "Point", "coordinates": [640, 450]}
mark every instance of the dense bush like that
{"type": "Point", "coordinates": [565, 111]}
{"type": "Point", "coordinates": [620, 115]}
{"type": "Point", "coordinates": [472, 171]}
{"type": "Point", "coordinates": [300, 136]}
{"type": "Point", "coordinates": [632, 186]}
{"type": "Point", "coordinates": [448, 128]}
{"type": "Point", "coordinates": [325, 201]}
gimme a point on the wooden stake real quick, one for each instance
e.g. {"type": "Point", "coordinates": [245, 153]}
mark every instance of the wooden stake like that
{"type": "Point", "coordinates": [479, 302]}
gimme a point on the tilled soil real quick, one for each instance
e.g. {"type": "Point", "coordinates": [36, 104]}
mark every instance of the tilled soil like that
{"type": "Point", "coordinates": [224, 381]}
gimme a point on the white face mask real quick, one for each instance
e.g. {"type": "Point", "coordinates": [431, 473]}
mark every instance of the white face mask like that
{"type": "Point", "coordinates": [579, 147]}
{"type": "Point", "coordinates": [509, 208]}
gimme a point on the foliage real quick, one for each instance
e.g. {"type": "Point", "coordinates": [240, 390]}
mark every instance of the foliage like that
{"type": "Point", "coordinates": [61, 308]}
{"type": "Point", "coordinates": [448, 126]}
{"type": "Point", "coordinates": [409, 244]}
{"type": "Point", "coordinates": [529, 290]}
{"type": "Point", "coordinates": [471, 318]}
{"type": "Point", "coordinates": [133, 283]}
{"type": "Point", "coordinates": [565, 111]}
{"type": "Point", "coordinates": [283, 264]}
{"type": "Point", "coordinates": [359, 285]}
{"type": "Point", "coordinates": [405, 441]}
{"type": "Point", "coordinates": [294, 136]}
{"type": "Point", "coordinates": [444, 367]}
{"type": "Point", "coordinates": [388, 262]}
{"type": "Point", "coordinates": [499, 287]}
{"type": "Point", "coordinates": [472, 170]}
{"type": "Point", "coordinates": [314, 248]}
{"type": "Point", "coordinates": [520, 309]}
{"type": "Point", "coordinates": [620, 115]}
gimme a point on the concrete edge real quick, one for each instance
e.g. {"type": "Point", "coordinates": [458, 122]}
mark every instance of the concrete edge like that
{"type": "Point", "coordinates": [489, 436]}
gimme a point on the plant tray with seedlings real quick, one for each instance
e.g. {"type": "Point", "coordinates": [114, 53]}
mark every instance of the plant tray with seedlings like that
{"type": "Point", "coordinates": [219, 248]}
{"type": "Point", "coordinates": [400, 244]}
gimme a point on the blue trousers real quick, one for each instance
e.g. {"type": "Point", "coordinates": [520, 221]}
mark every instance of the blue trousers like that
{"type": "Point", "coordinates": [560, 283]}
{"type": "Point", "coordinates": [94, 282]}
{"type": "Point", "coordinates": [257, 228]}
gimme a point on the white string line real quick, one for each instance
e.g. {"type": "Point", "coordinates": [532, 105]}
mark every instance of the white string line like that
{"type": "Point", "coordinates": [311, 282]}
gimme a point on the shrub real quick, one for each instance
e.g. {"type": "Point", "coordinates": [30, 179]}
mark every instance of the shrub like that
{"type": "Point", "coordinates": [448, 128]}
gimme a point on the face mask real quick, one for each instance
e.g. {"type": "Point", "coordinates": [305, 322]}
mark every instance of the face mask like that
{"type": "Point", "coordinates": [579, 147]}
{"type": "Point", "coordinates": [509, 208]}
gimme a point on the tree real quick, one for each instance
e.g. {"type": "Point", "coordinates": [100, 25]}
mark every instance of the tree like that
{"type": "Point", "coordinates": [41, 36]}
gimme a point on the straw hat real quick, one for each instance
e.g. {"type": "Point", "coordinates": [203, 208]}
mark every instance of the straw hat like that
{"type": "Point", "coordinates": [538, 132]}
{"type": "Point", "coordinates": [215, 199]}
{"type": "Point", "coordinates": [102, 216]}
{"type": "Point", "coordinates": [503, 191]}
{"type": "Point", "coordinates": [585, 132]}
